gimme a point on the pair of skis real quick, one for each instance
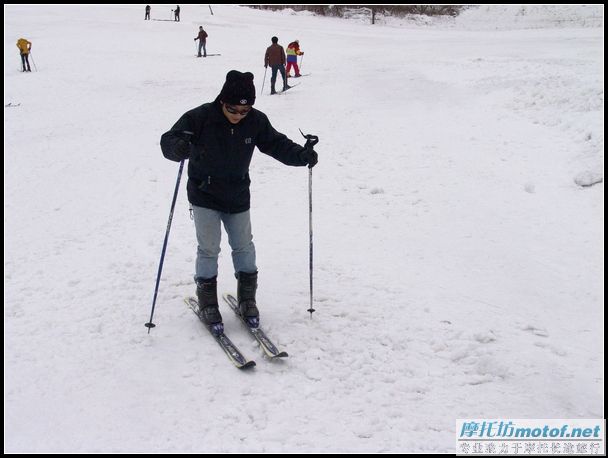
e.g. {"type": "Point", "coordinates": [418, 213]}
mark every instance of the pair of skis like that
{"type": "Point", "coordinates": [231, 350]}
{"type": "Point", "coordinates": [290, 86]}
{"type": "Point", "coordinates": [285, 90]}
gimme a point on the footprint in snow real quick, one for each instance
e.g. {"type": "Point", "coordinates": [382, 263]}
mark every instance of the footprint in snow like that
{"type": "Point", "coordinates": [536, 331]}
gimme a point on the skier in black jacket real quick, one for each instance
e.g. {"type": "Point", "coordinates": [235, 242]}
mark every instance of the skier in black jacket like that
{"type": "Point", "coordinates": [218, 138]}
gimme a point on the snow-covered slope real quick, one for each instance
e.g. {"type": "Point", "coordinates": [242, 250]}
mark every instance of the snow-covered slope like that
{"type": "Point", "coordinates": [500, 17]}
{"type": "Point", "coordinates": [531, 16]}
{"type": "Point", "coordinates": [458, 265]}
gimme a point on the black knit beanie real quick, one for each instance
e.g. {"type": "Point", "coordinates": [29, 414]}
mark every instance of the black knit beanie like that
{"type": "Point", "coordinates": [238, 89]}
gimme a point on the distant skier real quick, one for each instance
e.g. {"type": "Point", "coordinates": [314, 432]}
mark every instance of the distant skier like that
{"type": "Point", "coordinates": [219, 138]}
{"type": "Point", "coordinates": [293, 51]}
{"type": "Point", "coordinates": [24, 50]}
{"type": "Point", "coordinates": [177, 13]}
{"type": "Point", "coordinates": [147, 13]}
{"type": "Point", "coordinates": [202, 41]}
{"type": "Point", "coordinates": [275, 57]}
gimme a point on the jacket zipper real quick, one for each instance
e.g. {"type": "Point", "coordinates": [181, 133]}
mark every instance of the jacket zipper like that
{"type": "Point", "coordinates": [232, 154]}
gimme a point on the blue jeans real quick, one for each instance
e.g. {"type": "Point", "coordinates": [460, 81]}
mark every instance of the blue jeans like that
{"type": "Point", "coordinates": [209, 234]}
{"type": "Point", "coordinates": [202, 45]}
{"type": "Point", "coordinates": [273, 78]}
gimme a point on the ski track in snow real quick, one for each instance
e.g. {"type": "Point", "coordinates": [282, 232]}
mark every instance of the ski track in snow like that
{"type": "Point", "coordinates": [457, 266]}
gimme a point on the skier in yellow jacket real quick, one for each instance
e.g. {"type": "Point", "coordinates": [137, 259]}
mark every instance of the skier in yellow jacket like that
{"type": "Point", "coordinates": [293, 51]}
{"type": "Point", "coordinates": [24, 49]}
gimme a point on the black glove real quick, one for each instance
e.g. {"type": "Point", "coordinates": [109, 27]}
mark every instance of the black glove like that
{"type": "Point", "coordinates": [182, 149]}
{"type": "Point", "coordinates": [309, 156]}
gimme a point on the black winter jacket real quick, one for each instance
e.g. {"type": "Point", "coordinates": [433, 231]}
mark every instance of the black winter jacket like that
{"type": "Point", "coordinates": [220, 154]}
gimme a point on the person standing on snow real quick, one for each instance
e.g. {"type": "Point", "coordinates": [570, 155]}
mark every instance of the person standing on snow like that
{"type": "Point", "coordinates": [177, 13]}
{"type": "Point", "coordinates": [24, 49]}
{"type": "Point", "coordinates": [293, 51]}
{"type": "Point", "coordinates": [202, 41]}
{"type": "Point", "coordinates": [218, 138]}
{"type": "Point", "coordinates": [275, 57]}
{"type": "Point", "coordinates": [147, 18]}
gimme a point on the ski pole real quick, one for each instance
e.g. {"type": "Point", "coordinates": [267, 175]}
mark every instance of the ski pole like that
{"type": "Point", "coordinates": [35, 68]}
{"type": "Point", "coordinates": [311, 140]}
{"type": "Point", "coordinates": [150, 325]}
{"type": "Point", "coordinates": [264, 80]}
{"type": "Point", "coordinates": [301, 63]}
{"type": "Point", "coordinates": [310, 246]}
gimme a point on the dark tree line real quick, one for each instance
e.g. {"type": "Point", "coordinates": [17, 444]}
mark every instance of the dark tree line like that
{"type": "Point", "coordinates": [372, 10]}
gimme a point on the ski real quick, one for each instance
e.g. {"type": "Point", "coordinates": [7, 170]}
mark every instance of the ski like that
{"type": "Point", "coordinates": [290, 87]}
{"type": "Point", "coordinates": [222, 339]}
{"type": "Point", "coordinates": [209, 55]}
{"type": "Point", "coordinates": [303, 74]}
{"type": "Point", "coordinates": [285, 90]}
{"type": "Point", "coordinates": [269, 348]}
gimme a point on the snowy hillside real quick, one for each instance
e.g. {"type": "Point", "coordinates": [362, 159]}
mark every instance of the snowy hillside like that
{"type": "Point", "coordinates": [458, 258]}
{"type": "Point", "coordinates": [496, 17]}
{"type": "Point", "coordinates": [531, 16]}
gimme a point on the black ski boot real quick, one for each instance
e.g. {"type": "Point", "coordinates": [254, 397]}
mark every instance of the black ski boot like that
{"type": "Point", "coordinates": [248, 309]}
{"type": "Point", "coordinates": [206, 292]}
